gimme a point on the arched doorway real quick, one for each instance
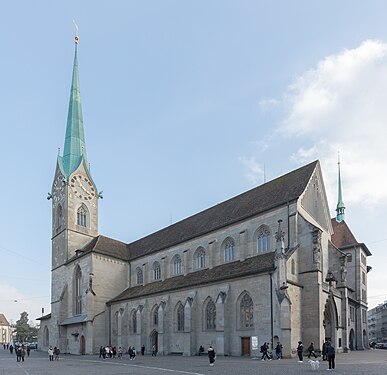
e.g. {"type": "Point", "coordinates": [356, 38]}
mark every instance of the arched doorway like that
{"type": "Point", "coordinates": [329, 321]}
{"type": "Point", "coordinates": [352, 339]}
{"type": "Point", "coordinates": [365, 340]}
{"type": "Point", "coordinates": [83, 345]}
{"type": "Point", "coordinates": [46, 337]}
{"type": "Point", "coordinates": [153, 340]}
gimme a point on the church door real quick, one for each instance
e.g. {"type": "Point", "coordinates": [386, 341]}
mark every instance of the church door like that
{"type": "Point", "coordinates": [245, 346]}
{"type": "Point", "coordinates": [154, 340]}
{"type": "Point", "coordinates": [83, 345]}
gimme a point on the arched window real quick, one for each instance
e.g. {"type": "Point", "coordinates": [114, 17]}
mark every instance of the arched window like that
{"type": "Point", "coordinates": [156, 271]}
{"type": "Point", "coordinates": [176, 262]}
{"type": "Point", "coordinates": [180, 318]}
{"type": "Point", "coordinates": [263, 239]}
{"type": "Point", "coordinates": [59, 215]}
{"type": "Point", "coordinates": [78, 291]}
{"type": "Point", "coordinates": [155, 315]}
{"type": "Point", "coordinates": [82, 215]}
{"type": "Point", "coordinates": [134, 321]}
{"type": "Point", "coordinates": [200, 258]}
{"type": "Point", "coordinates": [211, 315]}
{"type": "Point", "coordinates": [246, 312]}
{"type": "Point", "coordinates": [229, 246]}
{"type": "Point", "coordinates": [140, 277]}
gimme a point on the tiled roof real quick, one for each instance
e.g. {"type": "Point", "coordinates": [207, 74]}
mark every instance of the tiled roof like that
{"type": "Point", "coordinates": [343, 237]}
{"type": "Point", "coordinates": [3, 320]}
{"type": "Point", "coordinates": [277, 192]}
{"type": "Point", "coordinates": [107, 246]}
{"type": "Point", "coordinates": [272, 194]}
{"type": "Point", "coordinates": [251, 266]}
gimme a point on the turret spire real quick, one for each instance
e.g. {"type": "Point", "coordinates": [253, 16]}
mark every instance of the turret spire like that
{"type": "Point", "coordinates": [74, 148]}
{"type": "Point", "coordinates": [340, 215]}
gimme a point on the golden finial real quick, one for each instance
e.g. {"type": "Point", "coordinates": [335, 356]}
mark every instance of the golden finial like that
{"type": "Point", "coordinates": [76, 34]}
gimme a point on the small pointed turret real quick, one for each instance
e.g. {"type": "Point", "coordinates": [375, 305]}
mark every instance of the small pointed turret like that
{"type": "Point", "coordinates": [74, 148]}
{"type": "Point", "coordinates": [340, 215]}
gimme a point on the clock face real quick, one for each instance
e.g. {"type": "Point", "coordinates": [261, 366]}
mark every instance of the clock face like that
{"type": "Point", "coordinates": [82, 187]}
{"type": "Point", "coordinates": [58, 189]}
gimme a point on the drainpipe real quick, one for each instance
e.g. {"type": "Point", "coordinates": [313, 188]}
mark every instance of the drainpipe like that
{"type": "Point", "coordinates": [271, 310]}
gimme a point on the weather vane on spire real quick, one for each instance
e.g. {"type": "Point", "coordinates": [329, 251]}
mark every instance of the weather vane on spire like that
{"type": "Point", "coordinates": [76, 33]}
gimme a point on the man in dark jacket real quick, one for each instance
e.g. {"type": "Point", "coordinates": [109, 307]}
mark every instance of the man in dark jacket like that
{"type": "Point", "coordinates": [211, 355]}
{"type": "Point", "coordinates": [331, 356]}
{"type": "Point", "coordinates": [300, 350]}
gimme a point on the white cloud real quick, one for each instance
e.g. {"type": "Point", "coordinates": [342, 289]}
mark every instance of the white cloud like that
{"type": "Point", "coordinates": [255, 170]}
{"type": "Point", "coordinates": [268, 104]}
{"type": "Point", "coordinates": [341, 105]}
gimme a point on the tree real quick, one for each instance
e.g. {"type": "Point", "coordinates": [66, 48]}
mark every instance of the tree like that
{"type": "Point", "coordinates": [24, 332]}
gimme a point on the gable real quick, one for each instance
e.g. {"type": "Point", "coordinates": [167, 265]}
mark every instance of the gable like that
{"type": "Point", "coordinates": [314, 200]}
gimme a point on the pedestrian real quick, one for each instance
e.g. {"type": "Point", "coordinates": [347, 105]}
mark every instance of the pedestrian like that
{"type": "Point", "coordinates": [28, 350]}
{"type": "Point", "coordinates": [201, 350]}
{"type": "Point", "coordinates": [56, 353]}
{"type": "Point", "coordinates": [50, 353]}
{"type": "Point", "coordinates": [300, 350]}
{"type": "Point", "coordinates": [331, 356]}
{"type": "Point", "coordinates": [311, 350]}
{"type": "Point", "coordinates": [119, 352]}
{"type": "Point", "coordinates": [264, 351]}
{"type": "Point", "coordinates": [114, 352]}
{"type": "Point", "coordinates": [11, 348]}
{"type": "Point", "coordinates": [130, 351]}
{"type": "Point", "coordinates": [101, 351]}
{"type": "Point", "coordinates": [211, 355]}
{"type": "Point", "coordinates": [142, 349]}
{"type": "Point", "coordinates": [278, 351]}
{"type": "Point", "coordinates": [154, 351]}
{"type": "Point", "coordinates": [23, 353]}
{"type": "Point", "coordinates": [134, 353]}
{"type": "Point", "coordinates": [18, 353]}
{"type": "Point", "coordinates": [324, 350]}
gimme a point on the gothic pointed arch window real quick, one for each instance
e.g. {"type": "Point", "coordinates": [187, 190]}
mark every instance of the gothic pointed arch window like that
{"type": "Point", "coordinates": [155, 315]}
{"type": "Point", "coordinates": [229, 246]}
{"type": "Point", "coordinates": [78, 291]}
{"type": "Point", "coordinates": [83, 216]}
{"type": "Point", "coordinates": [133, 321]}
{"type": "Point", "coordinates": [139, 276]}
{"type": "Point", "coordinates": [246, 312]}
{"type": "Point", "coordinates": [210, 315]}
{"type": "Point", "coordinates": [180, 317]}
{"type": "Point", "coordinates": [263, 239]}
{"type": "Point", "coordinates": [176, 265]}
{"type": "Point", "coordinates": [156, 271]}
{"type": "Point", "coordinates": [200, 257]}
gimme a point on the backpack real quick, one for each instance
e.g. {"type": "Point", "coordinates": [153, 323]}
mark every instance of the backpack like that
{"type": "Point", "coordinates": [262, 348]}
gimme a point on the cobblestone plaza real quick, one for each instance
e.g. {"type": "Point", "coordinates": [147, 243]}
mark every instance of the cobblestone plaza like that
{"type": "Point", "coordinates": [368, 362]}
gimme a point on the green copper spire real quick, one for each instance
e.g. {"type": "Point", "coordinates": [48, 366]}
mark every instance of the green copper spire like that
{"type": "Point", "coordinates": [74, 147]}
{"type": "Point", "coordinates": [340, 215]}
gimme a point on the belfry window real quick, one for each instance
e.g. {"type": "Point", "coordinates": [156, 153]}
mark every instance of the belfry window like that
{"type": "Point", "coordinates": [82, 214]}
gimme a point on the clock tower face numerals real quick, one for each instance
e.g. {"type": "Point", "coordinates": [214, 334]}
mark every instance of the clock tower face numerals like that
{"type": "Point", "coordinates": [82, 187]}
{"type": "Point", "coordinates": [58, 189]}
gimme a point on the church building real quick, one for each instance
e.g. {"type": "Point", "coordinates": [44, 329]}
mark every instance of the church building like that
{"type": "Point", "coordinates": [267, 265]}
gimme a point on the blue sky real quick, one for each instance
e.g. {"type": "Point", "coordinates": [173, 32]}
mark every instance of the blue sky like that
{"type": "Point", "coordinates": [185, 104]}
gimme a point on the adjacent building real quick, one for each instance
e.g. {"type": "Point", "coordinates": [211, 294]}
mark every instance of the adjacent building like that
{"type": "Point", "coordinates": [5, 330]}
{"type": "Point", "coordinates": [267, 265]}
{"type": "Point", "coordinates": [377, 323]}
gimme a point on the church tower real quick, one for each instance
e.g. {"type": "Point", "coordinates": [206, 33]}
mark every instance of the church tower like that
{"type": "Point", "coordinates": [340, 215]}
{"type": "Point", "coordinates": [74, 194]}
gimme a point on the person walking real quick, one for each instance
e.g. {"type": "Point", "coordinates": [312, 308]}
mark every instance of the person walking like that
{"type": "Point", "coordinates": [28, 350]}
{"type": "Point", "coordinates": [264, 349]}
{"type": "Point", "coordinates": [50, 353]}
{"type": "Point", "coordinates": [154, 352]}
{"type": "Point", "coordinates": [331, 356]}
{"type": "Point", "coordinates": [324, 351]}
{"type": "Point", "coordinates": [142, 349]}
{"type": "Point", "coordinates": [211, 355]}
{"type": "Point", "coordinates": [23, 353]}
{"type": "Point", "coordinates": [278, 351]}
{"type": "Point", "coordinates": [311, 350]}
{"type": "Point", "coordinates": [56, 353]}
{"type": "Point", "coordinates": [101, 351]}
{"type": "Point", "coordinates": [18, 353]}
{"type": "Point", "coordinates": [300, 350]}
{"type": "Point", "coordinates": [119, 352]}
{"type": "Point", "coordinates": [11, 348]}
